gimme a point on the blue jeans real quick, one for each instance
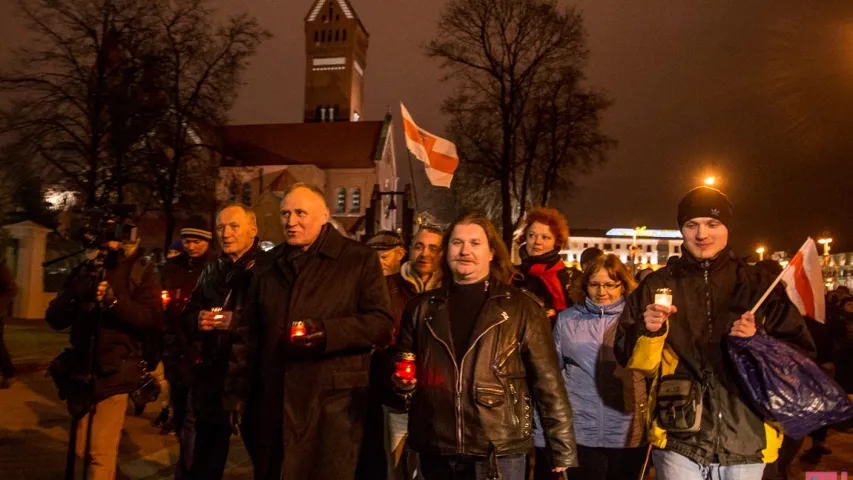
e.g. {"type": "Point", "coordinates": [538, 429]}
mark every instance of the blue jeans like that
{"type": "Point", "coordinates": [673, 466]}
{"type": "Point", "coordinates": [435, 467]}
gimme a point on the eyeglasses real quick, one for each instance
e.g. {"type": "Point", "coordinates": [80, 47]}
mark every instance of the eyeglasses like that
{"type": "Point", "coordinates": [606, 286]}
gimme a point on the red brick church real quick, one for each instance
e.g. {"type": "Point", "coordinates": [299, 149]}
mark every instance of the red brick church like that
{"type": "Point", "coordinates": [334, 147]}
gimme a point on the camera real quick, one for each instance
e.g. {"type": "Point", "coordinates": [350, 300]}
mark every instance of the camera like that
{"type": "Point", "coordinates": [102, 225]}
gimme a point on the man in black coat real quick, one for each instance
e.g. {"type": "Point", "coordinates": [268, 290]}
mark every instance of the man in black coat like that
{"type": "Point", "coordinates": [209, 318]}
{"type": "Point", "coordinates": [8, 290]}
{"type": "Point", "coordinates": [306, 395]}
{"type": "Point", "coordinates": [180, 275]}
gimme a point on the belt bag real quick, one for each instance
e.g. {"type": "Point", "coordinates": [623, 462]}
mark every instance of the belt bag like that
{"type": "Point", "coordinates": [679, 403]}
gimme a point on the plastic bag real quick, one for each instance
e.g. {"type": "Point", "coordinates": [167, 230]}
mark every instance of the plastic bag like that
{"type": "Point", "coordinates": [786, 386]}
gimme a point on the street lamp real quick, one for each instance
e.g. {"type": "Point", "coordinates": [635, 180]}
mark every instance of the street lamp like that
{"type": "Point", "coordinates": [825, 242]}
{"type": "Point", "coordinates": [760, 252]}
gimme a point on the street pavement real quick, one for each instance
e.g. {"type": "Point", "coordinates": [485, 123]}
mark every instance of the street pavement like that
{"type": "Point", "coordinates": [34, 425]}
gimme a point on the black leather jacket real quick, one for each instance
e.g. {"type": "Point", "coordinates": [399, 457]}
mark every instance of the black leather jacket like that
{"type": "Point", "coordinates": [483, 404]}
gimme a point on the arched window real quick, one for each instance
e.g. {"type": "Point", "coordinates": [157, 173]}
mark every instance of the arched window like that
{"type": "Point", "coordinates": [232, 191]}
{"type": "Point", "coordinates": [337, 35]}
{"type": "Point", "coordinates": [341, 200]}
{"type": "Point", "coordinates": [316, 37]}
{"type": "Point", "coordinates": [323, 36]}
{"type": "Point", "coordinates": [345, 35]}
{"type": "Point", "coordinates": [355, 203]}
{"type": "Point", "coordinates": [247, 194]}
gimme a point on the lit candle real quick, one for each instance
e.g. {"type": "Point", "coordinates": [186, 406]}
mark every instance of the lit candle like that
{"type": "Point", "coordinates": [165, 298]}
{"type": "Point", "coordinates": [297, 329]}
{"type": "Point", "coordinates": [664, 297]}
{"type": "Point", "coordinates": [406, 366]}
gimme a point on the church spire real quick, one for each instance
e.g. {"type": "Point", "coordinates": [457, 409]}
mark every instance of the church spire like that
{"type": "Point", "coordinates": [336, 58]}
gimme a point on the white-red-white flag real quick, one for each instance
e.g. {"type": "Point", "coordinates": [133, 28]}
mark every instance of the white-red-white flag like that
{"type": "Point", "coordinates": [439, 155]}
{"type": "Point", "coordinates": [804, 282]}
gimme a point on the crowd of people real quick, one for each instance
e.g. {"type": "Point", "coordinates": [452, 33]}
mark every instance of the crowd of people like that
{"type": "Point", "coordinates": [507, 370]}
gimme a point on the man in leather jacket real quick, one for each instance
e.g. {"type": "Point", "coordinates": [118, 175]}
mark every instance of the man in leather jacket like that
{"type": "Point", "coordinates": [209, 318]}
{"type": "Point", "coordinates": [484, 356]}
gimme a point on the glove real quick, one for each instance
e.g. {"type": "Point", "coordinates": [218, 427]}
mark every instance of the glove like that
{"type": "Point", "coordinates": [313, 343]}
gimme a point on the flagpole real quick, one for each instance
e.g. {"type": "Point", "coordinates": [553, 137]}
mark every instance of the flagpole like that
{"type": "Point", "coordinates": [412, 176]}
{"type": "Point", "coordinates": [772, 286]}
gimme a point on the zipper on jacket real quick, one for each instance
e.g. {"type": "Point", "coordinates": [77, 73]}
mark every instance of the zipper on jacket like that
{"type": "Point", "coordinates": [706, 380]}
{"type": "Point", "coordinates": [514, 402]}
{"type": "Point", "coordinates": [458, 369]}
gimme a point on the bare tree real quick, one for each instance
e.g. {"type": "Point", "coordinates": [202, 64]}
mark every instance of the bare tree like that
{"type": "Point", "coordinates": [521, 117]}
{"type": "Point", "coordinates": [198, 77]}
{"type": "Point", "coordinates": [117, 95]}
{"type": "Point", "coordinates": [73, 87]}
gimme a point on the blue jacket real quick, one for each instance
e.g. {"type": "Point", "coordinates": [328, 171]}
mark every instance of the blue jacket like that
{"type": "Point", "coordinates": [607, 400]}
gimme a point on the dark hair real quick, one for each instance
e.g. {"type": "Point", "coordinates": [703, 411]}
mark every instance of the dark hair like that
{"type": "Point", "coordinates": [550, 217]}
{"type": "Point", "coordinates": [589, 255]}
{"type": "Point", "coordinates": [614, 268]}
{"type": "Point", "coordinates": [501, 267]}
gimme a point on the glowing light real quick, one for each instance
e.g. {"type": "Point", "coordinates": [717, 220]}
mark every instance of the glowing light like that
{"type": "Point", "coordinates": [647, 233]}
{"type": "Point", "coordinates": [710, 181]}
{"type": "Point", "coordinates": [60, 199]}
{"type": "Point", "coordinates": [760, 251]}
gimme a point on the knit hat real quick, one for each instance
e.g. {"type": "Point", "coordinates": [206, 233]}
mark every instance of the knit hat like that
{"type": "Point", "coordinates": [384, 240]}
{"type": "Point", "coordinates": [177, 246]}
{"type": "Point", "coordinates": [704, 202]}
{"type": "Point", "coordinates": [197, 227]}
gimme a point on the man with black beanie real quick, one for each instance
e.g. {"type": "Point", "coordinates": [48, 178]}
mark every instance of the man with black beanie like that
{"type": "Point", "coordinates": [712, 293]}
{"type": "Point", "coordinates": [179, 277]}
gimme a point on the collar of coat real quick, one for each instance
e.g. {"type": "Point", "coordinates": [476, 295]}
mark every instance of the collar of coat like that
{"type": "Point", "coordinates": [408, 273]}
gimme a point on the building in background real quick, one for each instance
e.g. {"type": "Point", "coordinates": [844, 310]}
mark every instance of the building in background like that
{"type": "Point", "coordinates": [653, 247]}
{"type": "Point", "coordinates": [333, 148]}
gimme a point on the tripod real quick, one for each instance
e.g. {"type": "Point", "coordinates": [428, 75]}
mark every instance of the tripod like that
{"type": "Point", "coordinates": [89, 377]}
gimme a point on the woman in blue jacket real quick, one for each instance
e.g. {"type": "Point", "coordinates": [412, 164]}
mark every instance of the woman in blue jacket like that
{"type": "Point", "coordinates": [608, 401]}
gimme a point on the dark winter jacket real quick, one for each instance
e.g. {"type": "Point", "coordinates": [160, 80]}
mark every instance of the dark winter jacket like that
{"type": "Point", "coordinates": [482, 403]}
{"type": "Point", "coordinates": [8, 290]}
{"type": "Point", "coordinates": [222, 284]}
{"type": "Point", "coordinates": [179, 277]}
{"type": "Point", "coordinates": [710, 296]}
{"type": "Point", "coordinates": [136, 315]}
{"type": "Point", "coordinates": [309, 409]}
{"type": "Point", "coordinates": [534, 284]}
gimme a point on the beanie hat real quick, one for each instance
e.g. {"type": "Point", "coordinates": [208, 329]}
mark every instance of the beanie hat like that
{"type": "Point", "coordinates": [197, 227]}
{"type": "Point", "coordinates": [704, 202]}
{"type": "Point", "coordinates": [384, 240]}
{"type": "Point", "coordinates": [177, 246]}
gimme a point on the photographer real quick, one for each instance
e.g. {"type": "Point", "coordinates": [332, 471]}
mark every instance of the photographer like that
{"type": "Point", "coordinates": [118, 312]}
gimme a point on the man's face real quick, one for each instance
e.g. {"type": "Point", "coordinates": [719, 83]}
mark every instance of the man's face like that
{"type": "Point", "coordinates": [303, 214]}
{"type": "Point", "coordinates": [425, 252]}
{"type": "Point", "coordinates": [195, 247]}
{"type": "Point", "coordinates": [469, 254]}
{"type": "Point", "coordinates": [390, 260]}
{"type": "Point", "coordinates": [705, 237]}
{"type": "Point", "coordinates": [236, 231]}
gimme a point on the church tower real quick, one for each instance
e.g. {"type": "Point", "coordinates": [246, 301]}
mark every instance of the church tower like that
{"type": "Point", "coordinates": [336, 57]}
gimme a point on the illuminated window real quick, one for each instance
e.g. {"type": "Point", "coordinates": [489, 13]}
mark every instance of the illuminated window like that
{"type": "Point", "coordinates": [355, 200]}
{"type": "Point", "coordinates": [341, 200]}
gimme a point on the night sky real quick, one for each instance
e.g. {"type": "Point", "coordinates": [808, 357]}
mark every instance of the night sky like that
{"type": "Point", "coordinates": [759, 92]}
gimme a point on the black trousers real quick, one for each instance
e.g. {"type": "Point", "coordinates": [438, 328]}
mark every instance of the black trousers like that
{"type": "Point", "coordinates": [597, 464]}
{"type": "Point", "coordinates": [6, 366]}
{"type": "Point", "coordinates": [210, 452]}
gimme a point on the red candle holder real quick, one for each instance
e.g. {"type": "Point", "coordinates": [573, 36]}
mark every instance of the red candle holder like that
{"type": "Point", "coordinates": [297, 329]}
{"type": "Point", "coordinates": [165, 298]}
{"type": "Point", "coordinates": [406, 366]}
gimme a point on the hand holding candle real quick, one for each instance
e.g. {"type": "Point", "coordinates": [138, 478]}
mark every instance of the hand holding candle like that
{"type": "Point", "coordinates": [297, 329]}
{"type": "Point", "coordinates": [406, 366]}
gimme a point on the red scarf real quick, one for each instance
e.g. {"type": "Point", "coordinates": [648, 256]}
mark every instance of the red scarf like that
{"type": "Point", "coordinates": [552, 282]}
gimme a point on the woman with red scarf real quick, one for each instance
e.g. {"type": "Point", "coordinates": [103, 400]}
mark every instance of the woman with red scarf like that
{"type": "Point", "coordinates": [542, 270]}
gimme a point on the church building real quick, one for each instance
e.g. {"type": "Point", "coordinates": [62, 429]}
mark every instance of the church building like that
{"type": "Point", "coordinates": [334, 147]}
